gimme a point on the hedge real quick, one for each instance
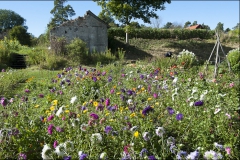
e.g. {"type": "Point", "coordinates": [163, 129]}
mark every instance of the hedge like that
{"type": "Point", "coordinates": [152, 33]}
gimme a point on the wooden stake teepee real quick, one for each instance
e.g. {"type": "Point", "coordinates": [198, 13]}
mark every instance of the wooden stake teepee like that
{"type": "Point", "coordinates": [217, 59]}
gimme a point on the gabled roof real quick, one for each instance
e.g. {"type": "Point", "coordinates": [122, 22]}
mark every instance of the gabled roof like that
{"type": "Point", "coordinates": [195, 26]}
{"type": "Point", "coordinates": [96, 17]}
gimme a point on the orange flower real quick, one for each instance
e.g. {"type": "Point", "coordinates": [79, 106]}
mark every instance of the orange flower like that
{"type": "Point", "coordinates": [171, 73]}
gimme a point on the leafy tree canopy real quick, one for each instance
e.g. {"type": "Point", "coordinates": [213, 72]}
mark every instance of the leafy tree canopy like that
{"type": "Point", "coordinates": [9, 19]}
{"type": "Point", "coordinates": [126, 10]}
{"type": "Point", "coordinates": [219, 27]}
{"type": "Point", "coordinates": [106, 16]}
{"type": "Point", "coordinates": [237, 26]}
{"type": "Point", "coordinates": [168, 25]}
{"type": "Point", "coordinates": [60, 13]}
{"type": "Point", "coordinates": [187, 24]}
{"type": "Point", "coordinates": [20, 33]}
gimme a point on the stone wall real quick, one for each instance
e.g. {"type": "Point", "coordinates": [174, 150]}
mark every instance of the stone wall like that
{"type": "Point", "coordinates": [89, 28]}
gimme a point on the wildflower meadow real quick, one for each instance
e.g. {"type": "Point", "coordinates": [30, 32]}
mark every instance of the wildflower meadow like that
{"type": "Point", "coordinates": [117, 111]}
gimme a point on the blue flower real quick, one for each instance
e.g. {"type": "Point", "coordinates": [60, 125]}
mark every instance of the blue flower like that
{"type": "Point", "coordinates": [143, 151]}
{"type": "Point", "coordinates": [179, 116]}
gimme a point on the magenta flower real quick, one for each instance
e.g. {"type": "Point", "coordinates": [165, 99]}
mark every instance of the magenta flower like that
{"type": "Point", "coordinates": [107, 102]}
{"type": "Point", "coordinates": [94, 116]}
{"type": "Point", "coordinates": [50, 129]}
{"type": "Point", "coordinates": [112, 91]}
{"type": "Point", "coordinates": [40, 95]}
{"type": "Point", "coordinates": [228, 150]}
{"type": "Point", "coordinates": [155, 95]}
{"type": "Point", "coordinates": [59, 129]}
{"type": "Point", "coordinates": [55, 144]}
{"type": "Point", "coordinates": [3, 102]}
{"type": "Point", "coordinates": [22, 156]}
{"type": "Point", "coordinates": [27, 90]}
{"type": "Point", "coordinates": [179, 116]}
{"type": "Point", "coordinates": [50, 118]}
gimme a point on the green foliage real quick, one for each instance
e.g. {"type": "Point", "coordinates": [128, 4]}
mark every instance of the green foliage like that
{"type": "Point", "coordinates": [153, 33]}
{"type": "Point", "coordinates": [104, 58]}
{"type": "Point", "coordinates": [106, 17]}
{"type": "Point", "coordinates": [53, 62]}
{"type": "Point", "coordinates": [60, 13]}
{"type": "Point", "coordinates": [10, 19]}
{"type": "Point", "coordinates": [20, 33]}
{"type": "Point", "coordinates": [233, 57]}
{"type": "Point", "coordinates": [187, 59]}
{"type": "Point", "coordinates": [219, 27]}
{"type": "Point", "coordinates": [77, 51]}
{"type": "Point", "coordinates": [8, 46]}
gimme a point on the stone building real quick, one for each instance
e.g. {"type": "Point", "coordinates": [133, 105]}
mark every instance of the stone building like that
{"type": "Point", "coordinates": [91, 29]}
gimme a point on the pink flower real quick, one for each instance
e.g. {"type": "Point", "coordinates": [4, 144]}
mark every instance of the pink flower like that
{"type": "Point", "coordinates": [50, 117]}
{"type": "Point", "coordinates": [231, 85]}
{"type": "Point", "coordinates": [107, 102]}
{"type": "Point", "coordinates": [228, 150]}
{"type": "Point", "coordinates": [55, 144]}
{"type": "Point", "coordinates": [112, 91]}
{"type": "Point", "coordinates": [228, 115]}
{"type": "Point", "coordinates": [50, 129]}
{"type": "Point", "coordinates": [155, 95]}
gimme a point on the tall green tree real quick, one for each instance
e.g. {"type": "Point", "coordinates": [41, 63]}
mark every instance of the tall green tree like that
{"type": "Point", "coordinates": [106, 16]}
{"type": "Point", "coordinates": [60, 13]}
{"type": "Point", "coordinates": [20, 33]}
{"type": "Point", "coordinates": [9, 19]}
{"type": "Point", "coordinates": [187, 24]}
{"type": "Point", "coordinates": [237, 26]}
{"type": "Point", "coordinates": [194, 23]}
{"type": "Point", "coordinates": [205, 27]}
{"type": "Point", "coordinates": [126, 10]}
{"type": "Point", "coordinates": [219, 27]}
{"type": "Point", "coordinates": [168, 25]}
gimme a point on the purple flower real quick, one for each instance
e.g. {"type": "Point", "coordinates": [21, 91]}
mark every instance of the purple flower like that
{"type": "Point", "coordinates": [3, 70]}
{"type": "Point", "coordinates": [129, 92]}
{"type": "Point", "coordinates": [122, 97]}
{"type": "Point", "coordinates": [67, 158]}
{"type": "Point", "coordinates": [59, 129]}
{"type": "Point", "coordinates": [3, 101]}
{"type": "Point", "coordinates": [198, 103]}
{"type": "Point", "coordinates": [27, 90]}
{"type": "Point", "coordinates": [193, 155]}
{"type": "Point", "coordinates": [50, 118]}
{"type": "Point", "coordinates": [141, 76]}
{"type": "Point", "coordinates": [94, 79]}
{"type": "Point", "coordinates": [112, 91]}
{"type": "Point", "coordinates": [99, 107]}
{"type": "Point", "coordinates": [180, 154]}
{"type": "Point", "coordinates": [151, 157]}
{"type": "Point", "coordinates": [108, 129]}
{"type": "Point", "coordinates": [170, 110]}
{"type": "Point", "coordinates": [109, 79]}
{"type": "Point", "coordinates": [143, 151]}
{"type": "Point", "coordinates": [107, 102]}
{"type": "Point", "coordinates": [146, 136]}
{"type": "Point", "coordinates": [40, 95]}
{"type": "Point", "coordinates": [82, 156]}
{"type": "Point", "coordinates": [111, 108]}
{"type": "Point", "coordinates": [50, 129]}
{"type": "Point", "coordinates": [22, 156]}
{"type": "Point", "coordinates": [55, 144]}
{"type": "Point", "coordinates": [179, 116]}
{"type": "Point", "coordinates": [94, 116]}
{"type": "Point", "coordinates": [147, 110]}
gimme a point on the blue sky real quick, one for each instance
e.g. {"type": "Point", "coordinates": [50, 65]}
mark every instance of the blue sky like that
{"type": "Point", "coordinates": [37, 13]}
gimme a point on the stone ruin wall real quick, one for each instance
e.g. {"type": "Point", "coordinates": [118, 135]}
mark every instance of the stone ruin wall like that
{"type": "Point", "coordinates": [87, 28]}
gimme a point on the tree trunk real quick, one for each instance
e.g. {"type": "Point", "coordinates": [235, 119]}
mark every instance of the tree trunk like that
{"type": "Point", "coordinates": [127, 38]}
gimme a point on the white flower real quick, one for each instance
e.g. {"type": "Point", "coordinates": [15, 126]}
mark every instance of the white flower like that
{"type": "Point", "coordinates": [194, 90]}
{"type": "Point", "coordinates": [175, 80]}
{"type": "Point", "coordinates": [160, 131]}
{"type": "Point", "coordinates": [67, 147]}
{"type": "Point", "coordinates": [84, 127]}
{"type": "Point", "coordinates": [191, 103]}
{"type": "Point", "coordinates": [45, 150]}
{"type": "Point", "coordinates": [59, 111]}
{"type": "Point", "coordinates": [73, 99]}
{"type": "Point", "coordinates": [97, 137]}
{"type": "Point", "coordinates": [103, 155]}
{"type": "Point", "coordinates": [60, 150]}
{"type": "Point", "coordinates": [130, 101]}
{"type": "Point", "coordinates": [217, 110]}
{"type": "Point", "coordinates": [212, 155]}
{"type": "Point", "coordinates": [133, 128]}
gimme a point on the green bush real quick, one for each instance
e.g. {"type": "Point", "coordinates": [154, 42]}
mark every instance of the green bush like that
{"type": "Point", "coordinates": [233, 57]}
{"type": "Point", "coordinates": [77, 51]}
{"type": "Point", "coordinates": [53, 62]}
{"type": "Point", "coordinates": [153, 33]}
{"type": "Point", "coordinates": [186, 58]}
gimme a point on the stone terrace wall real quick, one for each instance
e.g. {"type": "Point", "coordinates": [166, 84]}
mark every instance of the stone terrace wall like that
{"type": "Point", "coordinates": [89, 28]}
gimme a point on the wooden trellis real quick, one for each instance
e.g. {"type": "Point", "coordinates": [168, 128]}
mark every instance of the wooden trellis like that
{"type": "Point", "coordinates": [217, 59]}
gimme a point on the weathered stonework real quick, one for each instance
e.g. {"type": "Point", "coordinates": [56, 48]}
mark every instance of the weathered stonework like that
{"type": "Point", "coordinates": [91, 29]}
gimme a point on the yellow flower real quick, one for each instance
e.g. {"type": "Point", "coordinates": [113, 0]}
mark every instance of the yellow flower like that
{"type": "Point", "coordinates": [85, 111]}
{"type": "Point", "coordinates": [114, 87]}
{"type": "Point", "coordinates": [143, 89]}
{"type": "Point", "coordinates": [118, 93]}
{"type": "Point", "coordinates": [136, 134]}
{"type": "Point", "coordinates": [66, 106]}
{"type": "Point", "coordinates": [47, 111]}
{"type": "Point", "coordinates": [111, 120]}
{"type": "Point", "coordinates": [132, 115]}
{"type": "Point", "coordinates": [121, 109]}
{"type": "Point", "coordinates": [37, 106]}
{"type": "Point", "coordinates": [157, 103]}
{"type": "Point", "coordinates": [84, 103]}
{"type": "Point", "coordinates": [149, 99]}
{"type": "Point", "coordinates": [52, 108]}
{"type": "Point", "coordinates": [49, 114]}
{"type": "Point", "coordinates": [66, 111]}
{"type": "Point", "coordinates": [126, 108]}
{"type": "Point", "coordinates": [54, 102]}
{"type": "Point", "coordinates": [95, 103]}
{"type": "Point", "coordinates": [78, 115]}
{"type": "Point", "coordinates": [107, 114]}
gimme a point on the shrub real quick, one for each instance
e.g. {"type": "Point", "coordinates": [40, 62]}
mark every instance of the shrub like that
{"type": "Point", "coordinates": [233, 57]}
{"type": "Point", "coordinates": [77, 51]}
{"type": "Point", "coordinates": [58, 45]}
{"type": "Point", "coordinates": [186, 58]}
{"type": "Point", "coordinates": [53, 62]}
